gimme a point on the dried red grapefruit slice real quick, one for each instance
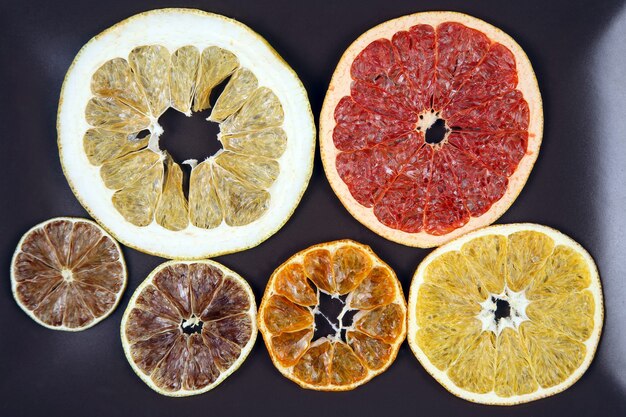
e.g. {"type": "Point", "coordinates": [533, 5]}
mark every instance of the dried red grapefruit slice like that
{"type": "Point", "coordinates": [188, 326]}
{"type": "Point", "coordinates": [430, 127]}
{"type": "Point", "coordinates": [67, 274]}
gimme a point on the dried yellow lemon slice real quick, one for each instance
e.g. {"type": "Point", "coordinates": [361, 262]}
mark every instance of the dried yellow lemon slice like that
{"type": "Point", "coordinates": [506, 314]}
{"type": "Point", "coordinates": [68, 274]}
{"type": "Point", "coordinates": [121, 83]}
{"type": "Point", "coordinates": [333, 316]}
{"type": "Point", "coordinates": [188, 326]}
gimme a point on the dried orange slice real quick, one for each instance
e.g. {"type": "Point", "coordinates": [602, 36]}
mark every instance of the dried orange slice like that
{"type": "Point", "coordinates": [67, 273]}
{"type": "Point", "coordinates": [506, 314]}
{"type": "Point", "coordinates": [188, 326]}
{"type": "Point", "coordinates": [430, 127]}
{"type": "Point", "coordinates": [114, 94]}
{"type": "Point", "coordinates": [333, 316]}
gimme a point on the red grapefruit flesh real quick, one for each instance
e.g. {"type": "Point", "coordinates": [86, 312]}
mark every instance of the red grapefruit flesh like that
{"type": "Point", "coordinates": [392, 89]}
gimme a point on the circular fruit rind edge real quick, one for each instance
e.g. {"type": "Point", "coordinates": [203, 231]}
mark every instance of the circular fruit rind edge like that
{"type": "Point", "coordinates": [269, 290]}
{"type": "Point", "coordinates": [327, 123]}
{"type": "Point", "coordinates": [309, 167]}
{"type": "Point", "coordinates": [245, 351]}
{"type": "Point", "coordinates": [491, 398]}
{"type": "Point", "coordinates": [96, 319]}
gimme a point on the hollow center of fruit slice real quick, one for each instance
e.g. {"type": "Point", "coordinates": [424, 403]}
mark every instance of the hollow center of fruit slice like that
{"type": "Point", "coordinates": [332, 317]}
{"type": "Point", "coordinates": [500, 311]}
{"type": "Point", "coordinates": [435, 129]}
{"type": "Point", "coordinates": [192, 325]}
{"type": "Point", "coordinates": [189, 137]}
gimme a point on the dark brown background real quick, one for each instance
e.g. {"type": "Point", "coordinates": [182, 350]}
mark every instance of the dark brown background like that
{"type": "Point", "coordinates": [578, 49]}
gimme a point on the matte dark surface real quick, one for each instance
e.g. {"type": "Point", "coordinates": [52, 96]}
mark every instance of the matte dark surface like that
{"type": "Point", "coordinates": [578, 185]}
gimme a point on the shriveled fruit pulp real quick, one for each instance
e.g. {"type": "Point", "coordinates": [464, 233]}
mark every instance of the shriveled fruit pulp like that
{"type": "Point", "coordinates": [189, 326]}
{"type": "Point", "coordinates": [351, 351]}
{"type": "Point", "coordinates": [507, 314]}
{"type": "Point", "coordinates": [123, 81]}
{"type": "Point", "coordinates": [430, 127]}
{"type": "Point", "coordinates": [67, 273]}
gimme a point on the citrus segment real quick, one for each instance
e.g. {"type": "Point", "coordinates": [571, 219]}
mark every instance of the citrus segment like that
{"type": "Point", "coordinates": [215, 65]}
{"type": "Point", "coordinates": [460, 88]}
{"type": "Point", "coordinates": [188, 326]}
{"type": "Point", "coordinates": [506, 314]}
{"type": "Point", "coordinates": [183, 75]}
{"type": "Point", "coordinates": [375, 290]}
{"type": "Point", "coordinates": [289, 347]}
{"type": "Point", "coordinates": [102, 145]}
{"type": "Point", "coordinates": [115, 78]}
{"type": "Point", "coordinates": [67, 274]}
{"type": "Point", "coordinates": [239, 88]}
{"type": "Point", "coordinates": [372, 352]}
{"type": "Point", "coordinates": [291, 281]}
{"type": "Point", "coordinates": [150, 65]}
{"type": "Point", "coordinates": [125, 79]}
{"type": "Point", "coordinates": [333, 351]}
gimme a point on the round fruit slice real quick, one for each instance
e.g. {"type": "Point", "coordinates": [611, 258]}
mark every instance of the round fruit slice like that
{"type": "Point", "coordinates": [188, 326]}
{"type": "Point", "coordinates": [333, 316]}
{"type": "Point", "coordinates": [67, 274]}
{"type": "Point", "coordinates": [430, 127]}
{"type": "Point", "coordinates": [124, 79]}
{"type": "Point", "coordinates": [506, 314]}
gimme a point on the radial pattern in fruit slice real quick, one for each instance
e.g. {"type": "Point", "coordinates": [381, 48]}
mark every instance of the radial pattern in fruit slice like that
{"type": "Point", "coordinates": [333, 316]}
{"type": "Point", "coordinates": [507, 314]}
{"type": "Point", "coordinates": [68, 274]}
{"type": "Point", "coordinates": [188, 326]}
{"type": "Point", "coordinates": [176, 58]}
{"type": "Point", "coordinates": [465, 92]}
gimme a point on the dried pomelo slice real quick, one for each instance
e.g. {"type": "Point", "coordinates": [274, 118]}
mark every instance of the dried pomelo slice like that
{"type": "Point", "coordinates": [67, 273]}
{"type": "Point", "coordinates": [124, 79]}
{"type": "Point", "coordinates": [188, 326]}
{"type": "Point", "coordinates": [506, 314]}
{"type": "Point", "coordinates": [333, 316]}
{"type": "Point", "coordinates": [430, 127]}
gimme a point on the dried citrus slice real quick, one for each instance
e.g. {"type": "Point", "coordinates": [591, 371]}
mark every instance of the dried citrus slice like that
{"type": "Point", "coordinates": [67, 273]}
{"type": "Point", "coordinates": [430, 127]}
{"type": "Point", "coordinates": [188, 326]}
{"type": "Point", "coordinates": [333, 316]}
{"type": "Point", "coordinates": [120, 84]}
{"type": "Point", "coordinates": [506, 314]}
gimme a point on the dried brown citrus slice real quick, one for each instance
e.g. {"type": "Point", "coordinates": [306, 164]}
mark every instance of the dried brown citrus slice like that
{"type": "Point", "coordinates": [333, 316]}
{"type": "Point", "coordinates": [430, 127]}
{"type": "Point", "coordinates": [188, 326]}
{"type": "Point", "coordinates": [506, 314]}
{"type": "Point", "coordinates": [67, 273]}
{"type": "Point", "coordinates": [122, 82]}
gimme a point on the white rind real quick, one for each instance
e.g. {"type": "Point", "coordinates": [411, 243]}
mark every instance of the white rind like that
{"type": "Point", "coordinates": [245, 351]}
{"type": "Point", "coordinates": [174, 28]}
{"type": "Point", "coordinates": [62, 327]}
{"type": "Point", "coordinates": [340, 87]}
{"type": "Point", "coordinates": [491, 398]}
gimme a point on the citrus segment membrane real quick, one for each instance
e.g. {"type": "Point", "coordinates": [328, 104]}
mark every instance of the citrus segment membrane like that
{"type": "Point", "coordinates": [507, 314]}
{"type": "Point", "coordinates": [243, 108]}
{"type": "Point", "coordinates": [465, 95]}
{"type": "Point", "coordinates": [67, 274]}
{"type": "Point", "coordinates": [126, 78]}
{"type": "Point", "coordinates": [325, 350]}
{"type": "Point", "coordinates": [188, 326]}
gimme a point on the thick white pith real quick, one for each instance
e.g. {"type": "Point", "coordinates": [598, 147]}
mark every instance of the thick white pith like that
{"type": "Point", "coordinates": [491, 397]}
{"type": "Point", "coordinates": [340, 87]}
{"type": "Point", "coordinates": [174, 28]}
